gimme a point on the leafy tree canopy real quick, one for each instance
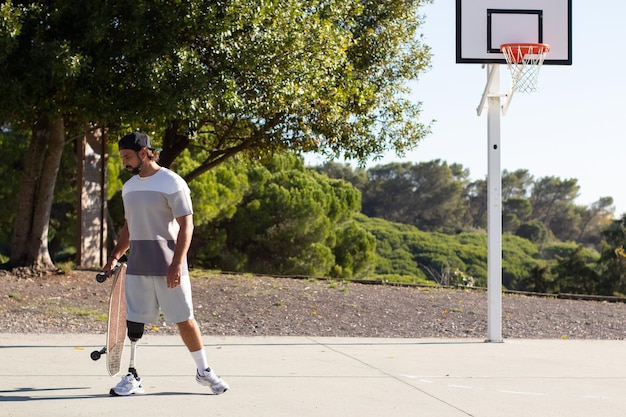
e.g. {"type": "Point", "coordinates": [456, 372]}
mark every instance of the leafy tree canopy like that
{"type": "Point", "coordinates": [223, 77]}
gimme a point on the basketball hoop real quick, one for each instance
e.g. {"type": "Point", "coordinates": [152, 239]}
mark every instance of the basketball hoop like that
{"type": "Point", "coordinates": [524, 61]}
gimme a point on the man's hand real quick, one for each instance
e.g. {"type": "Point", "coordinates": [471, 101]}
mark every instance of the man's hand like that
{"type": "Point", "coordinates": [173, 276]}
{"type": "Point", "coordinates": [110, 265]}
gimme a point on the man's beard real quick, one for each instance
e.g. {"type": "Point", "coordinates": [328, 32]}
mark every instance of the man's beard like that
{"type": "Point", "coordinates": [135, 170]}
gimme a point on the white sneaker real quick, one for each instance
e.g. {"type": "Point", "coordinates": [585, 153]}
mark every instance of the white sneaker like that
{"type": "Point", "coordinates": [209, 379]}
{"type": "Point", "coordinates": [127, 386]}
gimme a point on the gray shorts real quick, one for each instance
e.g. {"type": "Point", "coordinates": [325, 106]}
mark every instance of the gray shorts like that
{"type": "Point", "coordinates": [145, 295]}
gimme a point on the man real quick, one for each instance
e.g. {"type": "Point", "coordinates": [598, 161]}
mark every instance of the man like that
{"type": "Point", "coordinates": [158, 231]}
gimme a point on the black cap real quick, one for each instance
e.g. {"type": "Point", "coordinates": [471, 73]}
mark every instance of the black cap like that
{"type": "Point", "coordinates": [135, 141]}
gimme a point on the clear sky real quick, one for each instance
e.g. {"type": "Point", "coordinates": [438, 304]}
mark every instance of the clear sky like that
{"type": "Point", "coordinates": [573, 127]}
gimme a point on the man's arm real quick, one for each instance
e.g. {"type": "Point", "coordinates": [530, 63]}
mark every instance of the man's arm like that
{"type": "Point", "coordinates": [123, 243]}
{"type": "Point", "coordinates": [183, 241]}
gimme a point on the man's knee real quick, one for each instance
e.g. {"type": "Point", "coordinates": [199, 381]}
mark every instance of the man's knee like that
{"type": "Point", "coordinates": [135, 330]}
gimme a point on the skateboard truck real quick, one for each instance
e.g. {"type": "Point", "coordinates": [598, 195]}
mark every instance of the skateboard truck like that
{"type": "Point", "coordinates": [96, 354]}
{"type": "Point", "coordinates": [101, 277]}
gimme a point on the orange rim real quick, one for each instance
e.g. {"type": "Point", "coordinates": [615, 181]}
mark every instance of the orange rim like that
{"type": "Point", "coordinates": [515, 52]}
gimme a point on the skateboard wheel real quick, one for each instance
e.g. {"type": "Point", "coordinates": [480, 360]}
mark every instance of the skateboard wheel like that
{"type": "Point", "coordinates": [95, 355]}
{"type": "Point", "coordinates": [101, 277]}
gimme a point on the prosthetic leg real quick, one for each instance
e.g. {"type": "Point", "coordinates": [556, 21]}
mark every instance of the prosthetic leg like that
{"type": "Point", "coordinates": [131, 382]}
{"type": "Point", "coordinates": [135, 332]}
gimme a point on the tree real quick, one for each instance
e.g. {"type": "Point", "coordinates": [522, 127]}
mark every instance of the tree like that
{"type": "Point", "coordinates": [575, 274]}
{"type": "Point", "coordinates": [515, 210]}
{"type": "Point", "coordinates": [612, 262]}
{"type": "Point", "coordinates": [12, 147]}
{"type": "Point", "coordinates": [295, 221]}
{"type": "Point", "coordinates": [242, 76]}
{"type": "Point", "coordinates": [476, 217]}
{"type": "Point", "coordinates": [62, 71]}
{"type": "Point", "coordinates": [354, 251]}
{"type": "Point", "coordinates": [552, 200]}
{"type": "Point", "coordinates": [516, 184]}
{"type": "Point", "coordinates": [535, 231]}
{"type": "Point", "coordinates": [308, 76]}
{"type": "Point", "coordinates": [355, 176]}
{"type": "Point", "coordinates": [594, 219]}
{"type": "Point", "coordinates": [428, 195]}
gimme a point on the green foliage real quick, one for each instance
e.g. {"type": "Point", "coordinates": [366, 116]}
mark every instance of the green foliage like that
{"type": "Point", "coordinates": [557, 250]}
{"type": "Point", "coordinates": [225, 78]}
{"type": "Point", "coordinates": [323, 76]}
{"type": "Point", "coordinates": [612, 263]}
{"type": "Point", "coordinates": [12, 147]}
{"type": "Point", "coordinates": [574, 274]}
{"type": "Point", "coordinates": [216, 196]}
{"type": "Point", "coordinates": [515, 210]}
{"type": "Point", "coordinates": [217, 80]}
{"type": "Point", "coordinates": [116, 173]}
{"type": "Point", "coordinates": [217, 193]}
{"type": "Point", "coordinates": [436, 197]}
{"type": "Point", "coordinates": [428, 195]}
{"type": "Point", "coordinates": [355, 176]}
{"type": "Point", "coordinates": [534, 231]}
{"type": "Point", "coordinates": [288, 220]}
{"type": "Point", "coordinates": [552, 200]}
{"type": "Point", "coordinates": [354, 252]}
{"type": "Point", "coordinates": [62, 227]}
{"type": "Point", "coordinates": [403, 250]}
{"type": "Point", "coordinates": [518, 260]}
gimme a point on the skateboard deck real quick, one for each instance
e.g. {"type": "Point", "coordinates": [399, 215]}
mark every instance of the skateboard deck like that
{"type": "Point", "coordinates": [116, 323]}
{"type": "Point", "coordinates": [116, 328]}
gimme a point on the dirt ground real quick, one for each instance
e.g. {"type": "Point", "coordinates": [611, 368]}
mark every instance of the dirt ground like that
{"type": "Point", "coordinates": [269, 306]}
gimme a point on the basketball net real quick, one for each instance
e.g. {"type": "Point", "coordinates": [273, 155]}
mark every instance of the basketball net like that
{"type": "Point", "coordinates": [524, 61]}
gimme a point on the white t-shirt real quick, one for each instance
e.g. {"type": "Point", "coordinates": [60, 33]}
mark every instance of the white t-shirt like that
{"type": "Point", "coordinates": [151, 206]}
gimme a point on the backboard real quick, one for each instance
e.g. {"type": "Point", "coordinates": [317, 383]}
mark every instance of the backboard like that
{"type": "Point", "coordinates": [483, 25]}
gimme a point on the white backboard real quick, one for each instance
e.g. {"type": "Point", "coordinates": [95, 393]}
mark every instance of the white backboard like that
{"type": "Point", "coordinates": [483, 25]}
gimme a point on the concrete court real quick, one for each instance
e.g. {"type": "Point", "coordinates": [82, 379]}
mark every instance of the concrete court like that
{"type": "Point", "coordinates": [53, 375]}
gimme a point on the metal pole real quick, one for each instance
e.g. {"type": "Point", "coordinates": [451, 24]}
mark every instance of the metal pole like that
{"type": "Point", "coordinates": [494, 208]}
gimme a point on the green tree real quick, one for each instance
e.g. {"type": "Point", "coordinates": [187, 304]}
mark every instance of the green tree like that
{"type": "Point", "coordinates": [292, 220]}
{"type": "Point", "coordinates": [539, 280]}
{"type": "Point", "coordinates": [12, 147]}
{"type": "Point", "coordinates": [354, 252]}
{"type": "Point", "coordinates": [594, 219]}
{"type": "Point", "coordinates": [355, 176]}
{"type": "Point", "coordinates": [476, 216]}
{"type": "Point", "coordinates": [576, 274]}
{"type": "Point", "coordinates": [516, 184]}
{"type": "Point", "coordinates": [51, 71]}
{"type": "Point", "coordinates": [310, 76]}
{"type": "Point", "coordinates": [552, 200]}
{"type": "Point", "coordinates": [612, 263]}
{"type": "Point", "coordinates": [428, 195]}
{"type": "Point", "coordinates": [515, 211]}
{"type": "Point", "coordinates": [409, 254]}
{"type": "Point", "coordinates": [323, 76]}
{"type": "Point", "coordinates": [534, 231]}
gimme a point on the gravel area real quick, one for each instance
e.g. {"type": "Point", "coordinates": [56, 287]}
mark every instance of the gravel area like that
{"type": "Point", "coordinates": [246, 305]}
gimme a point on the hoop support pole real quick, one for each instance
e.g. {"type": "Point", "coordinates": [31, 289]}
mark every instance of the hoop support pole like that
{"type": "Point", "coordinates": [507, 100]}
{"type": "Point", "coordinates": [490, 77]}
{"type": "Point", "coordinates": [494, 209]}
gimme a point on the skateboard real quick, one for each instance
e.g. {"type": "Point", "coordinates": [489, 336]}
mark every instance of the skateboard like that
{"type": "Point", "coordinates": [116, 327]}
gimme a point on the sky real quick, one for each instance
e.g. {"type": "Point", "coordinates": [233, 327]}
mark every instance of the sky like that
{"type": "Point", "coordinates": [573, 127]}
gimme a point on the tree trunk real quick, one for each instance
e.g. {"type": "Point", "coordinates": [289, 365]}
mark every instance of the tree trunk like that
{"type": "Point", "coordinates": [173, 144]}
{"type": "Point", "coordinates": [29, 244]}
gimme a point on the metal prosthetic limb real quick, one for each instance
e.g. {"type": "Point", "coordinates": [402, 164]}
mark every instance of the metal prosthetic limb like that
{"type": "Point", "coordinates": [135, 332]}
{"type": "Point", "coordinates": [131, 364]}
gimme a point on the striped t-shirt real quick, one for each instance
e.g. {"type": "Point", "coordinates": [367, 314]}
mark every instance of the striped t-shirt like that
{"type": "Point", "coordinates": [151, 206]}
